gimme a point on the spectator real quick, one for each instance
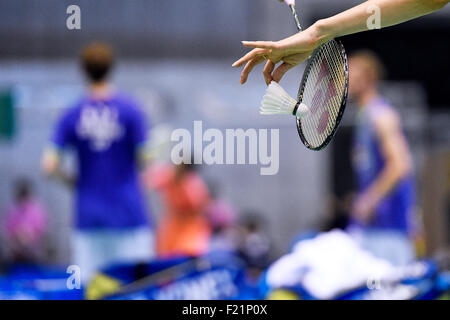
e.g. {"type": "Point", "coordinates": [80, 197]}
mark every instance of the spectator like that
{"type": "Point", "coordinates": [26, 225]}
{"type": "Point", "coordinates": [222, 218]}
{"type": "Point", "coordinates": [183, 228]}
{"type": "Point", "coordinates": [255, 245]}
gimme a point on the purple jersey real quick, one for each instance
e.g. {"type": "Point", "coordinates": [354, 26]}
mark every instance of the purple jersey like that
{"type": "Point", "coordinates": [394, 210]}
{"type": "Point", "coordinates": [105, 135]}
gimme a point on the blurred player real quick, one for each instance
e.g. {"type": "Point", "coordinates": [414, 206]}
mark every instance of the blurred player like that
{"type": "Point", "coordinates": [383, 166]}
{"type": "Point", "coordinates": [107, 132]}
{"type": "Point", "coordinates": [297, 48]}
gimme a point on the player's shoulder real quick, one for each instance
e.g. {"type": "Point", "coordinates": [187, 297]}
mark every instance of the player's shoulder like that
{"type": "Point", "coordinates": [384, 116]}
{"type": "Point", "coordinates": [382, 110]}
{"type": "Point", "coordinates": [126, 100]}
{"type": "Point", "coordinates": [129, 108]}
{"type": "Point", "coordinates": [73, 109]}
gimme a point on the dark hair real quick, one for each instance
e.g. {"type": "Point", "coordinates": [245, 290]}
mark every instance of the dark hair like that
{"type": "Point", "coordinates": [22, 189]}
{"type": "Point", "coordinates": [97, 59]}
{"type": "Point", "coordinates": [252, 220]}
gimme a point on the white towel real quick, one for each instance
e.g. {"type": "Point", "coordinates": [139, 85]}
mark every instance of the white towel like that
{"type": "Point", "coordinates": [328, 265]}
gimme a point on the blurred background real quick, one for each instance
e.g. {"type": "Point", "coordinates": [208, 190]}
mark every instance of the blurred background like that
{"type": "Point", "coordinates": [175, 57]}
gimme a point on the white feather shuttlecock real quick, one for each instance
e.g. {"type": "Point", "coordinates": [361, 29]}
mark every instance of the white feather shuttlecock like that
{"type": "Point", "coordinates": [277, 101]}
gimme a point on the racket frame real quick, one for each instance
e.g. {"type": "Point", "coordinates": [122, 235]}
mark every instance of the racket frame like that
{"type": "Point", "coordinates": [343, 98]}
{"type": "Point", "coordinates": [303, 84]}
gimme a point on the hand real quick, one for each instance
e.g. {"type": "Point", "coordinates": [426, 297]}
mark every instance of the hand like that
{"type": "Point", "coordinates": [50, 162]}
{"type": "Point", "coordinates": [363, 208]}
{"type": "Point", "coordinates": [292, 51]}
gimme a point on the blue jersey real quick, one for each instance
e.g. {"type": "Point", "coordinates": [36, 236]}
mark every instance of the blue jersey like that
{"type": "Point", "coordinates": [394, 210]}
{"type": "Point", "coordinates": [105, 135]}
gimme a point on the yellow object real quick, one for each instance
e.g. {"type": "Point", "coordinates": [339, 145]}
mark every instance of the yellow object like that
{"type": "Point", "coordinates": [282, 294]}
{"type": "Point", "coordinates": [101, 286]}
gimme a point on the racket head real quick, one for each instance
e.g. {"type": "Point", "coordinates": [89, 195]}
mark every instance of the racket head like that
{"type": "Point", "coordinates": [324, 89]}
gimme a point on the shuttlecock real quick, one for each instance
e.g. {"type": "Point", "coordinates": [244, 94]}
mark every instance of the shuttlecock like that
{"type": "Point", "coordinates": [277, 101]}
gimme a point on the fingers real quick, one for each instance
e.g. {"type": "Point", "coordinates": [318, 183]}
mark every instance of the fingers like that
{"type": "Point", "coordinates": [259, 44]}
{"type": "Point", "coordinates": [254, 57]}
{"type": "Point", "coordinates": [249, 67]}
{"type": "Point", "coordinates": [249, 56]}
{"type": "Point", "coordinates": [280, 71]}
{"type": "Point", "coordinates": [268, 69]}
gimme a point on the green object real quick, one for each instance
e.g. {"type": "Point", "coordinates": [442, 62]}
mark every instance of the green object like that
{"type": "Point", "coordinates": [7, 114]}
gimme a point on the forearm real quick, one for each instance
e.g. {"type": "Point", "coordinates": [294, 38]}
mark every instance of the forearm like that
{"type": "Point", "coordinates": [385, 182]}
{"type": "Point", "coordinates": [391, 12]}
{"type": "Point", "coordinates": [51, 167]}
{"type": "Point", "coordinates": [358, 19]}
{"type": "Point", "coordinates": [66, 179]}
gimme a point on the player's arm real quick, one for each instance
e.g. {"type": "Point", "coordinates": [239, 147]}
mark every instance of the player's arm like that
{"type": "Point", "coordinates": [137, 127]}
{"type": "Point", "coordinates": [298, 47]}
{"type": "Point", "coordinates": [397, 157]}
{"type": "Point", "coordinates": [144, 156]}
{"type": "Point", "coordinates": [62, 137]}
{"type": "Point", "coordinates": [51, 166]}
{"type": "Point", "coordinates": [392, 12]}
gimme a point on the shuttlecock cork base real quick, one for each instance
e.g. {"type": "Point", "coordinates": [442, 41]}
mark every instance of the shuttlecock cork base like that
{"type": "Point", "coordinates": [277, 101]}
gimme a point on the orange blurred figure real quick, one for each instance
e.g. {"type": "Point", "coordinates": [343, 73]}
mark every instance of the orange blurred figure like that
{"type": "Point", "coordinates": [183, 229]}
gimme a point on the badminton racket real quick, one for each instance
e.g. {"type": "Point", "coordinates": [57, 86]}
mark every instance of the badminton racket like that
{"type": "Point", "coordinates": [323, 89]}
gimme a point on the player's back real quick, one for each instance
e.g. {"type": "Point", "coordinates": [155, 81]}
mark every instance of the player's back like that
{"type": "Point", "coordinates": [105, 134]}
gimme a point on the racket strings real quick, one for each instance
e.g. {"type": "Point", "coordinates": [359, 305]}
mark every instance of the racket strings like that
{"type": "Point", "coordinates": [324, 86]}
{"type": "Point", "coordinates": [337, 78]}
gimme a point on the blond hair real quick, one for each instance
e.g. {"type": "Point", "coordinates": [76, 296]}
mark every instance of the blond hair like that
{"type": "Point", "coordinates": [371, 62]}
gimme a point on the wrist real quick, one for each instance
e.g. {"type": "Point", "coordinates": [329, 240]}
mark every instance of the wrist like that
{"type": "Point", "coordinates": [322, 32]}
{"type": "Point", "coordinates": [306, 40]}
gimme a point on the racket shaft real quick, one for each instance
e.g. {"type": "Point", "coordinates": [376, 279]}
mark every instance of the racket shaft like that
{"type": "Point", "coordinates": [294, 13]}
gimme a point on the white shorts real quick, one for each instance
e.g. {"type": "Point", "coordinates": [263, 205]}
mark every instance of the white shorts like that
{"type": "Point", "coordinates": [97, 249]}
